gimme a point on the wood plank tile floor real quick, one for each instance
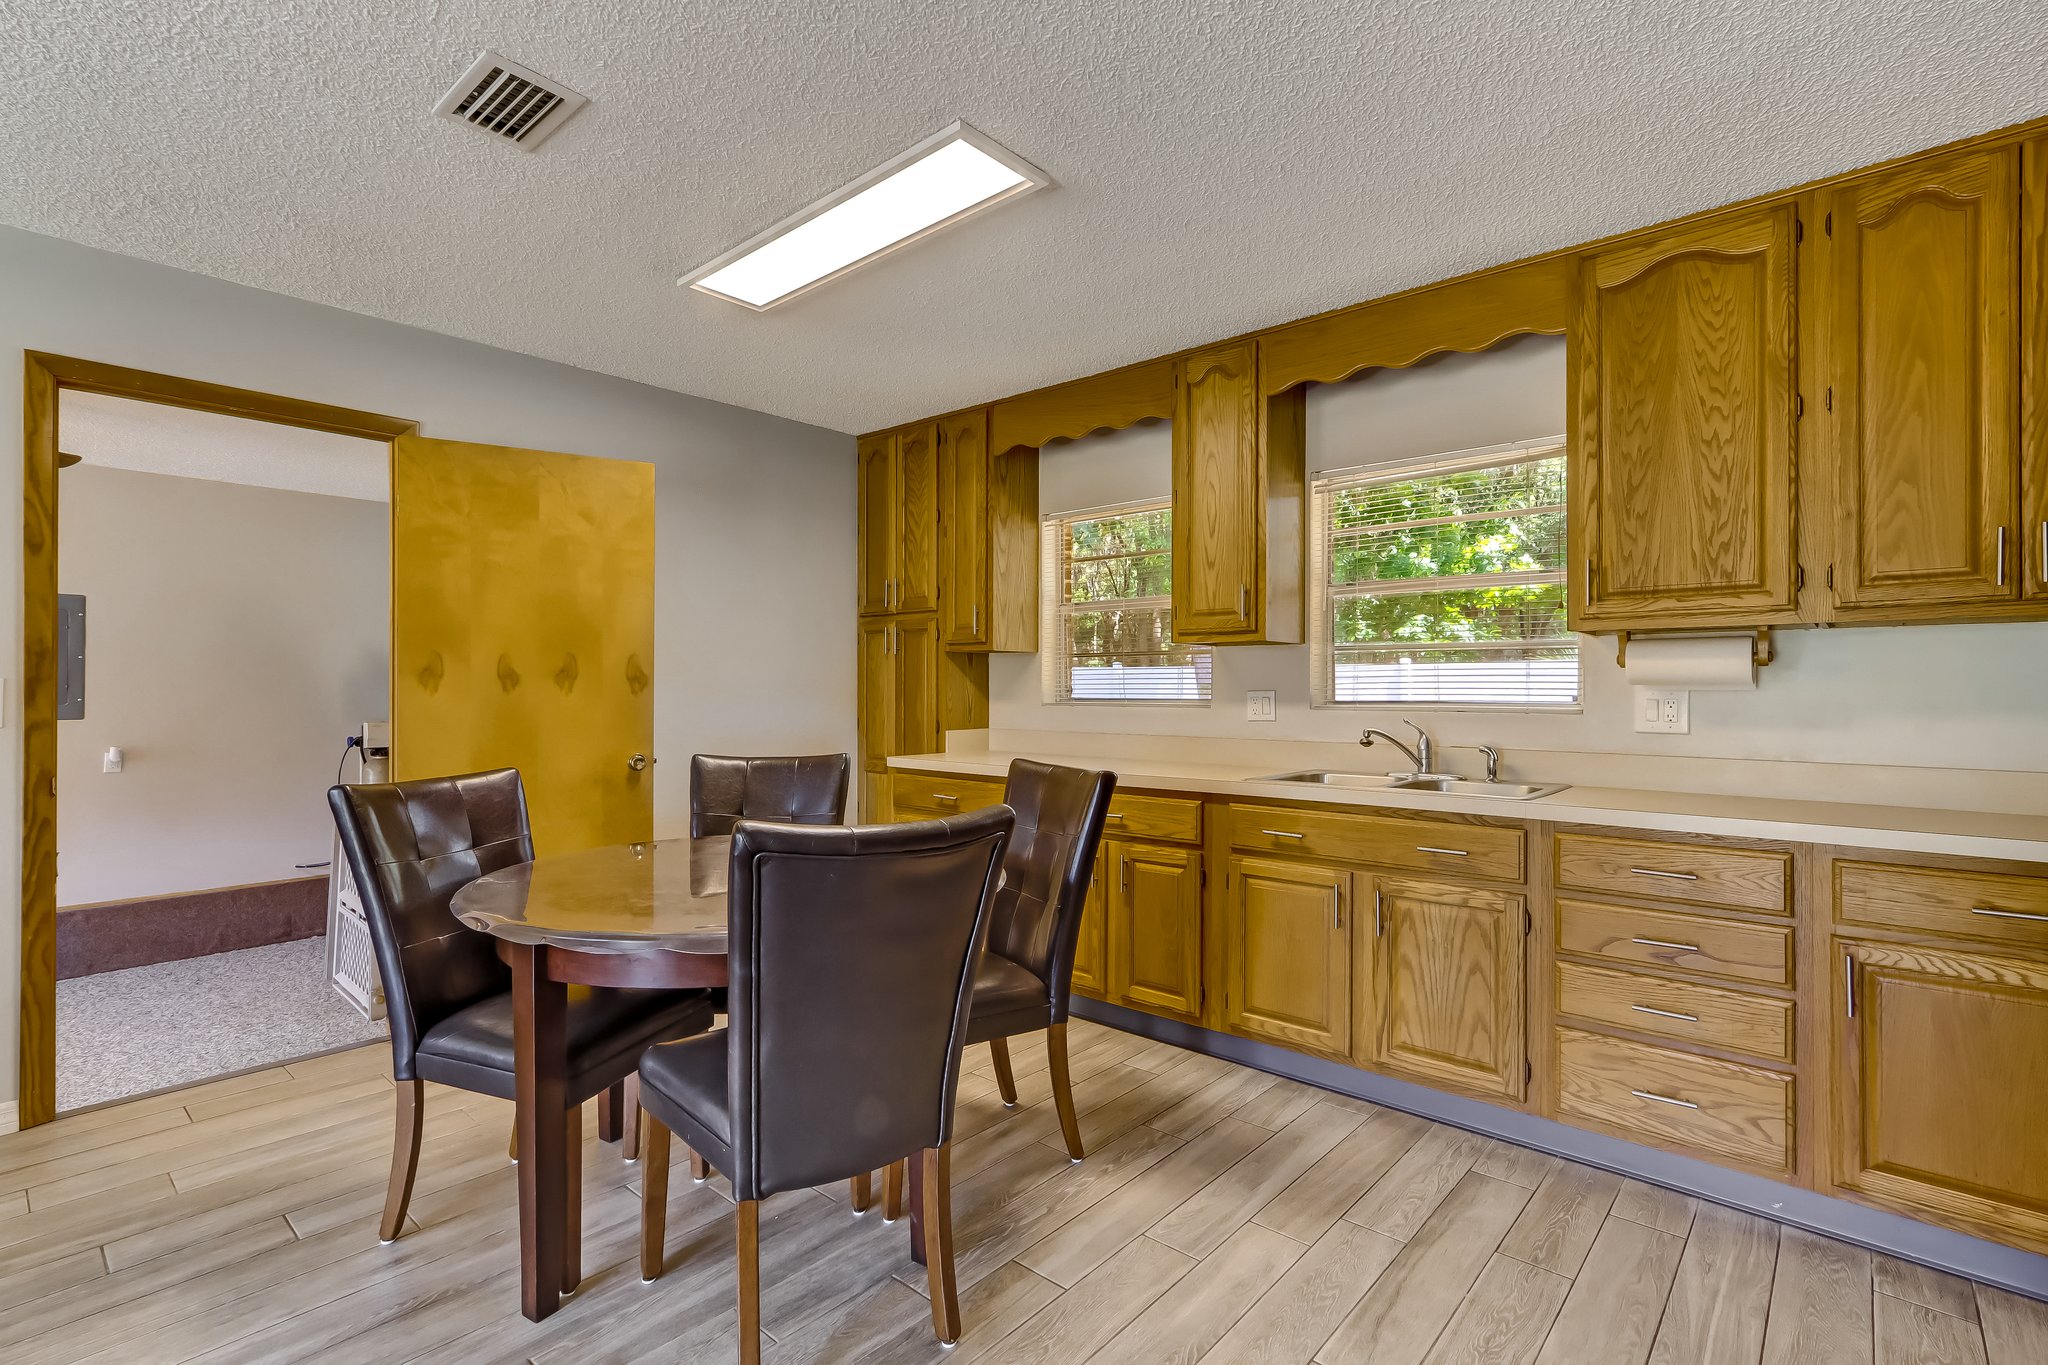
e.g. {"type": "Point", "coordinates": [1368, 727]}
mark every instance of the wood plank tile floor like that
{"type": "Point", "coordinates": [1222, 1216]}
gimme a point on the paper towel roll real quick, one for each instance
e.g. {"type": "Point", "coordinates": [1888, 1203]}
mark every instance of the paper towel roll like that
{"type": "Point", "coordinates": [1698, 663]}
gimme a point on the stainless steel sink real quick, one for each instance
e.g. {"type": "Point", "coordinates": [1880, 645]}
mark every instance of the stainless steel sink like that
{"type": "Point", "coordinates": [1408, 782]}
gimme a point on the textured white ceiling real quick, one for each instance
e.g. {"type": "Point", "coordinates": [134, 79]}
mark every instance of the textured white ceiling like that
{"type": "Point", "coordinates": [1221, 166]}
{"type": "Point", "coordinates": [120, 433]}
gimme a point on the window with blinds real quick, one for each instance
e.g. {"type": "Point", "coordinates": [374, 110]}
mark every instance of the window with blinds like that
{"type": "Point", "coordinates": [1109, 608]}
{"type": "Point", "coordinates": [1444, 582]}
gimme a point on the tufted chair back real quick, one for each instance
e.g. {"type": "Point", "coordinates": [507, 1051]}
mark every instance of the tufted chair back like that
{"type": "Point", "coordinates": [1046, 871]}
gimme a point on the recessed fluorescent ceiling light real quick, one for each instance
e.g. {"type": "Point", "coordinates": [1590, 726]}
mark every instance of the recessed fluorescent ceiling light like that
{"type": "Point", "coordinates": [941, 180]}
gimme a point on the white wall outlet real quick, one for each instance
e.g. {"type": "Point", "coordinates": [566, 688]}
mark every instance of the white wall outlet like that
{"type": "Point", "coordinates": [113, 760]}
{"type": "Point", "coordinates": [1661, 711]}
{"type": "Point", "coordinates": [1260, 706]}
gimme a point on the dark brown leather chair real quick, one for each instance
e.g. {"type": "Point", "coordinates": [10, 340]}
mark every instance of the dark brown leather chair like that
{"type": "Point", "coordinates": [853, 954]}
{"type": "Point", "coordinates": [1027, 974]}
{"type": "Point", "coordinates": [796, 791]}
{"type": "Point", "coordinates": [411, 846]}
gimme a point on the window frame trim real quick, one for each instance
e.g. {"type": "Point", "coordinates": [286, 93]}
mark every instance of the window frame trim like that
{"type": "Point", "coordinates": [1055, 608]}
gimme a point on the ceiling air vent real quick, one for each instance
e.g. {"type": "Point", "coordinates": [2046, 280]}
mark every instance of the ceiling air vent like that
{"type": "Point", "coordinates": [508, 101]}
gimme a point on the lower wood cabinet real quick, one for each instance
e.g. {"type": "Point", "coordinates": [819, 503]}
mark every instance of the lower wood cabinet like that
{"type": "Point", "coordinates": [1447, 985]}
{"type": "Point", "coordinates": [1287, 954]}
{"type": "Point", "coordinates": [1091, 953]}
{"type": "Point", "coordinates": [1154, 927]}
{"type": "Point", "coordinates": [1941, 1084]}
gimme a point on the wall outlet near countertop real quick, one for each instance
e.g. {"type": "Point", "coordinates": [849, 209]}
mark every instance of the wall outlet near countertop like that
{"type": "Point", "coordinates": [1663, 711]}
{"type": "Point", "coordinates": [1260, 706]}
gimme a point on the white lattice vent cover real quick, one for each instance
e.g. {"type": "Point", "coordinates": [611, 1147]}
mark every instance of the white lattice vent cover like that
{"type": "Point", "coordinates": [509, 101]}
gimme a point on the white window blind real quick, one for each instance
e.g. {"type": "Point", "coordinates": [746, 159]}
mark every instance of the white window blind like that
{"type": "Point", "coordinates": [1109, 606]}
{"type": "Point", "coordinates": [1444, 582]}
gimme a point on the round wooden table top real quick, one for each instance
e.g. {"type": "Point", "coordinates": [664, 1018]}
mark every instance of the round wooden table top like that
{"type": "Point", "coordinates": [664, 896]}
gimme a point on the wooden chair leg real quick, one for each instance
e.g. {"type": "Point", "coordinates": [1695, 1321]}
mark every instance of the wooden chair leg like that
{"type": "Point", "coordinates": [700, 1169]}
{"type": "Point", "coordinates": [653, 1197]}
{"type": "Point", "coordinates": [405, 1157]}
{"type": "Point", "coordinates": [750, 1282]}
{"type": "Point", "coordinates": [629, 1141]}
{"type": "Point", "coordinates": [572, 1209]}
{"type": "Point", "coordinates": [938, 1242]}
{"type": "Point", "coordinates": [862, 1189]}
{"type": "Point", "coordinates": [512, 1143]}
{"type": "Point", "coordinates": [915, 1167]}
{"type": "Point", "coordinates": [1006, 1084]}
{"type": "Point", "coordinates": [611, 1113]}
{"type": "Point", "coordinates": [1063, 1089]}
{"type": "Point", "coordinates": [892, 1192]}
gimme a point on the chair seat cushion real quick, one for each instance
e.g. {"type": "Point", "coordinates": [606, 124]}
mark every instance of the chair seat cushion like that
{"type": "Point", "coordinates": [684, 1084]}
{"type": "Point", "coordinates": [606, 1031]}
{"type": "Point", "coordinates": [1008, 999]}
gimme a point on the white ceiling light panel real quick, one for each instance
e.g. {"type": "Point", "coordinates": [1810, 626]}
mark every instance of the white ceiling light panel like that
{"type": "Point", "coordinates": [950, 176]}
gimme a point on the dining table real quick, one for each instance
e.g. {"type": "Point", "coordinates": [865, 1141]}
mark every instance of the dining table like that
{"type": "Point", "coordinates": [647, 915]}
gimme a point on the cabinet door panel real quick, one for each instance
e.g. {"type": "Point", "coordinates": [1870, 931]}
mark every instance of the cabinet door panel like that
{"type": "Point", "coordinates": [1287, 954]}
{"type": "Point", "coordinates": [1216, 493]}
{"type": "Point", "coordinates": [918, 729]}
{"type": "Point", "coordinates": [1925, 286]}
{"type": "Point", "coordinates": [917, 518]}
{"type": "Point", "coordinates": [1943, 1083]}
{"type": "Point", "coordinates": [963, 529]}
{"type": "Point", "coordinates": [877, 690]}
{"type": "Point", "coordinates": [1091, 974]}
{"type": "Point", "coordinates": [1683, 478]}
{"type": "Point", "coordinates": [877, 484]}
{"type": "Point", "coordinates": [1448, 979]}
{"type": "Point", "coordinates": [2032, 548]}
{"type": "Point", "coordinates": [1155, 949]}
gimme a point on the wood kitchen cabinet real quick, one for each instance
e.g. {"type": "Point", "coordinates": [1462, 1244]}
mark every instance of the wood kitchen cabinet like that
{"type": "Point", "coordinates": [1682, 474]}
{"type": "Point", "coordinates": [1154, 927]}
{"type": "Point", "coordinates": [1238, 486]}
{"type": "Point", "coordinates": [988, 539]}
{"type": "Point", "coordinates": [899, 520]}
{"type": "Point", "coordinates": [1287, 955]}
{"type": "Point", "coordinates": [1924, 348]}
{"type": "Point", "coordinates": [1091, 954]}
{"type": "Point", "coordinates": [1447, 979]}
{"type": "Point", "coordinates": [910, 691]}
{"type": "Point", "coordinates": [2033, 539]}
{"type": "Point", "coordinates": [1942, 1084]}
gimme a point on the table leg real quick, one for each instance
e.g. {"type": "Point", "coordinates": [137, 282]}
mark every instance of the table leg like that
{"type": "Point", "coordinates": [540, 1060]}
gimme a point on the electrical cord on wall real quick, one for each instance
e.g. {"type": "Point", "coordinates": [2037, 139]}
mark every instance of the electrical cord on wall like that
{"type": "Point", "coordinates": [354, 742]}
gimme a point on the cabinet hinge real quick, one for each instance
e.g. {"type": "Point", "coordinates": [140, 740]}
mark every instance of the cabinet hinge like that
{"type": "Point", "coordinates": [1827, 225]}
{"type": "Point", "coordinates": [1528, 1071]}
{"type": "Point", "coordinates": [1798, 230]}
{"type": "Point", "coordinates": [1798, 406]}
{"type": "Point", "coordinates": [1831, 578]}
{"type": "Point", "coordinates": [1528, 922]}
{"type": "Point", "coordinates": [1798, 577]}
{"type": "Point", "coordinates": [1831, 398]}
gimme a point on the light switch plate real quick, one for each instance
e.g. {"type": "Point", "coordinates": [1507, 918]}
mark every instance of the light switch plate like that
{"type": "Point", "coordinates": [1260, 706]}
{"type": "Point", "coordinates": [1661, 711]}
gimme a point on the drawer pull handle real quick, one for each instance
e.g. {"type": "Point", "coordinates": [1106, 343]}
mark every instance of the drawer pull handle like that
{"type": "Point", "coordinates": [946, 797]}
{"type": "Point", "coordinates": [1113, 816]}
{"type": "Point", "coordinates": [1666, 943]}
{"type": "Point", "coordinates": [1673, 876]}
{"type": "Point", "coordinates": [2007, 914]}
{"type": "Point", "coordinates": [1447, 852]}
{"type": "Point", "coordinates": [1663, 1099]}
{"type": "Point", "coordinates": [1283, 834]}
{"type": "Point", "coordinates": [1665, 1014]}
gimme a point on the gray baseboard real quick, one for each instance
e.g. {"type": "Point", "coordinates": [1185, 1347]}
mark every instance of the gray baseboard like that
{"type": "Point", "coordinates": [1972, 1257]}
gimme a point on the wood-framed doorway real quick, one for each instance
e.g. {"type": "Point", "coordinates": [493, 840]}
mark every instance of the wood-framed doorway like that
{"type": "Point", "coordinates": [44, 378]}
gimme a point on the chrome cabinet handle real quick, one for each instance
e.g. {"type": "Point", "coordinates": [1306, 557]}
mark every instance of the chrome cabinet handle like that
{"type": "Point", "coordinates": [1337, 907]}
{"type": "Point", "coordinates": [1667, 943]}
{"type": "Point", "coordinates": [2044, 549]}
{"type": "Point", "coordinates": [977, 618]}
{"type": "Point", "coordinates": [2001, 556]}
{"type": "Point", "coordinates": [1379, 914]}
{"type": "Point", "coordinates": [1114, 817]}
{"type": "Point", "coordinates": [946, 797]}
{"type": "Point", "coordinates": [2007, 914]}
{"type": "Point", "coordinates": [1663, 1099]}
{"type": "Point", "coordinates": [1244, 600]}
{"type": "Point", "coordinates": [1665, 1014]}
{"type": "Point", "coordinates": [1849, 981]}
{"type": "Point", "coordinates": [1283, 834]}
{"type": "Point", "coordinates": [1447, 852]}
{"type": "Point", "coordinates": [1674, 876]}
{"type": "Point", "coordinates": [1589, 581]}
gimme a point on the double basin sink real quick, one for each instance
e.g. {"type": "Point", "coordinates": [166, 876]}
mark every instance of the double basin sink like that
{"type": "Point", "coordinates": [1417, 782]}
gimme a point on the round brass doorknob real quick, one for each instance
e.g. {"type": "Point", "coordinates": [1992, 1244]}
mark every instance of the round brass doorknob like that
{"type": "Point", "coordinates": [638, 763]}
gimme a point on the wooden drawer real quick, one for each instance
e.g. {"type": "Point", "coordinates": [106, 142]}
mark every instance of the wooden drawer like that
{"type": "Point", "coordinates": [1672, 1099]}
{"type": "Point", "coordinates": [1441, 846]}
{"type": "Point", "coordinates": [1693, 943]}
{"type": "Point", "coordinates": [920, 796]}
{"type": "Point", "coordinates": [1698, 874]}
{"type": "Point", "coordinates": [1685, 1011]}
{"type": "Point", "coordinates": [1944, 900]}
{"type": "Point", "coordinates": [1154, 817]}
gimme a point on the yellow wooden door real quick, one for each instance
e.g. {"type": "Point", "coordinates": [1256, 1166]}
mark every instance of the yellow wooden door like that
{"type": "Point", "coordinates": [1287, 954]}
{"type": "Point", "coordinates": [963, 529]}
{"type": "Point", "coordinates": [1216, 496]}
{"type": "Point", "coordinates": [522, 630]}
{"type": "Point", "coordinates": [1448, 983]}
{"type": "Point", "coordinates": [1941, 1083]}
{"type": "Point", "coordinates": [917, 518]}
{"type": "Point", "coordinates": [1925, 349]}
{"type": "Point", "coordinates": [1091, 975]}
{"type": "Point", "coordinates": [875, 582]}
{"type": "Point", "coordinates": [1682, 473]}
{"type": "Point", "coordinates": [1155, 929]}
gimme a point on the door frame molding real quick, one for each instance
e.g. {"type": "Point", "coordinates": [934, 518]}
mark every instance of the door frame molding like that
{"type": "Point", "coordinates": [44, 377]}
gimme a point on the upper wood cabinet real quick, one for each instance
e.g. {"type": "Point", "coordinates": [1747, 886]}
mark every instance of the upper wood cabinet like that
{"type": "Point", "coordinates": [1287, 954]}
{"type": "Point", "coordinates": [899, 520]}
{"type": "Point", "coordinates": [1155, 928]}
{"type": "Point", "coordinates": [1924, 349]}
{"type": "Point", "coordinates": [2032, 548]}
{"type": "Point", "coordinates": [1447, 982]}
{"type": "Point", "coordinates": [988, 539]}
{"type": "Point", "coordinates": [1238, 484]}
{"type": "Point", "coordinates": [1682, 471]}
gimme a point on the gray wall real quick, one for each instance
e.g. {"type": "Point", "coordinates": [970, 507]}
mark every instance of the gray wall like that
{"type": "Point", "coordinates": [754, 628]}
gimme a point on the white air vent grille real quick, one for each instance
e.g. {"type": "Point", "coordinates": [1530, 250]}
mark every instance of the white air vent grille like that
{"type": "Point", "coordinates": [509, 101]}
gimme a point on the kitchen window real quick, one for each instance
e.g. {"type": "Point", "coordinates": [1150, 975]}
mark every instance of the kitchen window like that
{"type": "Point", "coordinates": [1443, 582]}
{"type": "Point", "coordinates": [1109, 610]}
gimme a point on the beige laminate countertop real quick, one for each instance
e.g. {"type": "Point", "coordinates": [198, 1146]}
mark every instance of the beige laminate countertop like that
{"type": "Point", "coordinates": [1908, 829]}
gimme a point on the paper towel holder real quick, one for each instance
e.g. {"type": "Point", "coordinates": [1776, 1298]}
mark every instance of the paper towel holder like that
{"type": "Point", "coordinates": [1760, 644]}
